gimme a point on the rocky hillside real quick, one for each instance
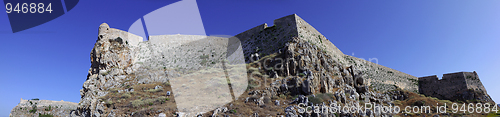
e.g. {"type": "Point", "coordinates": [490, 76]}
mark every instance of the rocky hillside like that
{"type": "Point", "coordinates": [194, 76]}
{"type": "Point", "coordinates": [46, 108]}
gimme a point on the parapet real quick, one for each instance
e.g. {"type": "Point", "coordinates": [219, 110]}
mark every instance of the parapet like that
{"type": "Point", "coordinates": [247, 34]}
{"type": "Point", "coordinates": [454, 76]}
{"type": "Point", "coordinates": [429, 78]}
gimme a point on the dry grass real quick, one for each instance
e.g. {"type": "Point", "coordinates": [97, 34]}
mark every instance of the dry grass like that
{"type": "Point", "coordinates": [145, 99]}
{"type": "Point", "coordinates": [421, 100]}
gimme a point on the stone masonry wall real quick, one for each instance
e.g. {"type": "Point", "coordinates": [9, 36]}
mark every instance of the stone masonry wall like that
{"type": "Point", "coordinates": [444, 88]}
{"type": "Point", "coordinates": [473, 82]}
{"type": "Point", "coordinates": [112, 33]}
{"type": "Point", "coordinates": [267, 40]}
{"type": "Point", "coordinates": [454, 86]}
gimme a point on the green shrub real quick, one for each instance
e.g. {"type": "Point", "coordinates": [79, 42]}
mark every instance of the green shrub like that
{"type": "Point", "coordinates": [203, 62]}
{"type": "Point", "coordinates": [49, 108]}
{"type": "Point", "coordinates": [149, 101]}
{"type": "Point", "coordinates": [119, 40]}
{"type": "Point", "coordinates": [256, 73]}
{"type": "Point", "coordinates": [33, 110]}
{"type": "Point", "coordinates": [302, 74]}
{"type": "Point", "coordinates": [110, 102]}
{"type": "Point", "coordinates": [322, 97]}
{"type": "Point", "coordinates": [282, 96]}
{"type": "Point", "coordinates": [45, 115]}
{"type": "Point", "coordinates": [126, 95]}
{"type": "Point", "coordinates": [251, 69]}
{"type": "Point", "coordinates": [204, 56]}
{"type": "Point", "coordinates": [137, 103]}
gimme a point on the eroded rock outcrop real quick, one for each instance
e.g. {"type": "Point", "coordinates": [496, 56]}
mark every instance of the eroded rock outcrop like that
{"type": "Point", "coordinates": [36, 107]}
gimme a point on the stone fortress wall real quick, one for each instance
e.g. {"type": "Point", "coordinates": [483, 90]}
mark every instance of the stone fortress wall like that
{"type": "Point", "coordinates": [266, 39]}
{"type": "Point", "coordinates": [452, 86]}
{"type": "Point", "coordinates": [269, 39]}
{"type": "Point", "coordinates": [170, 51]}
{"type": "Point", "coordinates": [272, 39]}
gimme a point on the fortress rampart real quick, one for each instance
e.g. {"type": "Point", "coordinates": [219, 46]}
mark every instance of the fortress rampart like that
{"type": "Point", "coordinates": [270, 39]}
{"type": "Point", "coordinates": [266, 39]}
{"type": "Point", "coordinates": [453, 86]}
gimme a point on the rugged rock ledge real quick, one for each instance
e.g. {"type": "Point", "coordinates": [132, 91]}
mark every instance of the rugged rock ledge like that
{"type": "Point", "coordinates": [35, 107]}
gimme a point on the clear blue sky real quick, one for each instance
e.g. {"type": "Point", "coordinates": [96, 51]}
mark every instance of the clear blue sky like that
{"type": "Point", "coordinates": [418, 37]}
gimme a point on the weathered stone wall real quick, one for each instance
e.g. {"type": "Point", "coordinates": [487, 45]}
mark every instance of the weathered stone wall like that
{"type": "Point", "coordinates": [444, 88]}
{"type": "Point", "coordinates": [381, 78]}
{"type": "Point", "coordinates": [267, 40]}
{"type": "Point", "coordinates": [309, 33]}
{"type": "Point", "coordinates": [105, 32]}
{"type": "Point", "coordinates": [473, 82]}
{"type": "Point", "coordinates": [454, 86]}
{"type": "Point", "coordinates": [425, 86]}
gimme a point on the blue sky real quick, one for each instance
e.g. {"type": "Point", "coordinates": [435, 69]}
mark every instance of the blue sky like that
{"type": "Point", "coordinates": [421, 38]}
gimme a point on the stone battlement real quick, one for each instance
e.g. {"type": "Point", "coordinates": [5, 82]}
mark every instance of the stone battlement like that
{"type": "Point", "coordinates": [453, 86]}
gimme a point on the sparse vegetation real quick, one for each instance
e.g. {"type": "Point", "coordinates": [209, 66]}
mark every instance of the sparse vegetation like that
{"type": "Point", "coordinates": [302, 74]}
{"type": "Point", "coordinates": [48, 108]}
{"type": "Point", "coordinates": [126, 95]}
{"type": "Point", "coordinates": [150, 102]}
{"type": "Point", "coordinates": [154, 90]}
{"type": "Point", "coordinates": [45, 115]}
{"type": "Point", "coordinates": [322, 97]}
{"type": "Point", "coordinates": [33, 110]}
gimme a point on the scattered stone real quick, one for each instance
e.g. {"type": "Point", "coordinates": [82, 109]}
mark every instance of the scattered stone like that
{"type": "Point", "coordinates": [158, 87]}
{"type": "Point", "coordinates": [162, 115]}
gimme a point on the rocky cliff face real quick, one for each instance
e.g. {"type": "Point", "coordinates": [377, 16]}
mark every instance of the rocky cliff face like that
{"type": "Point", "coordinates": [35, 107]}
